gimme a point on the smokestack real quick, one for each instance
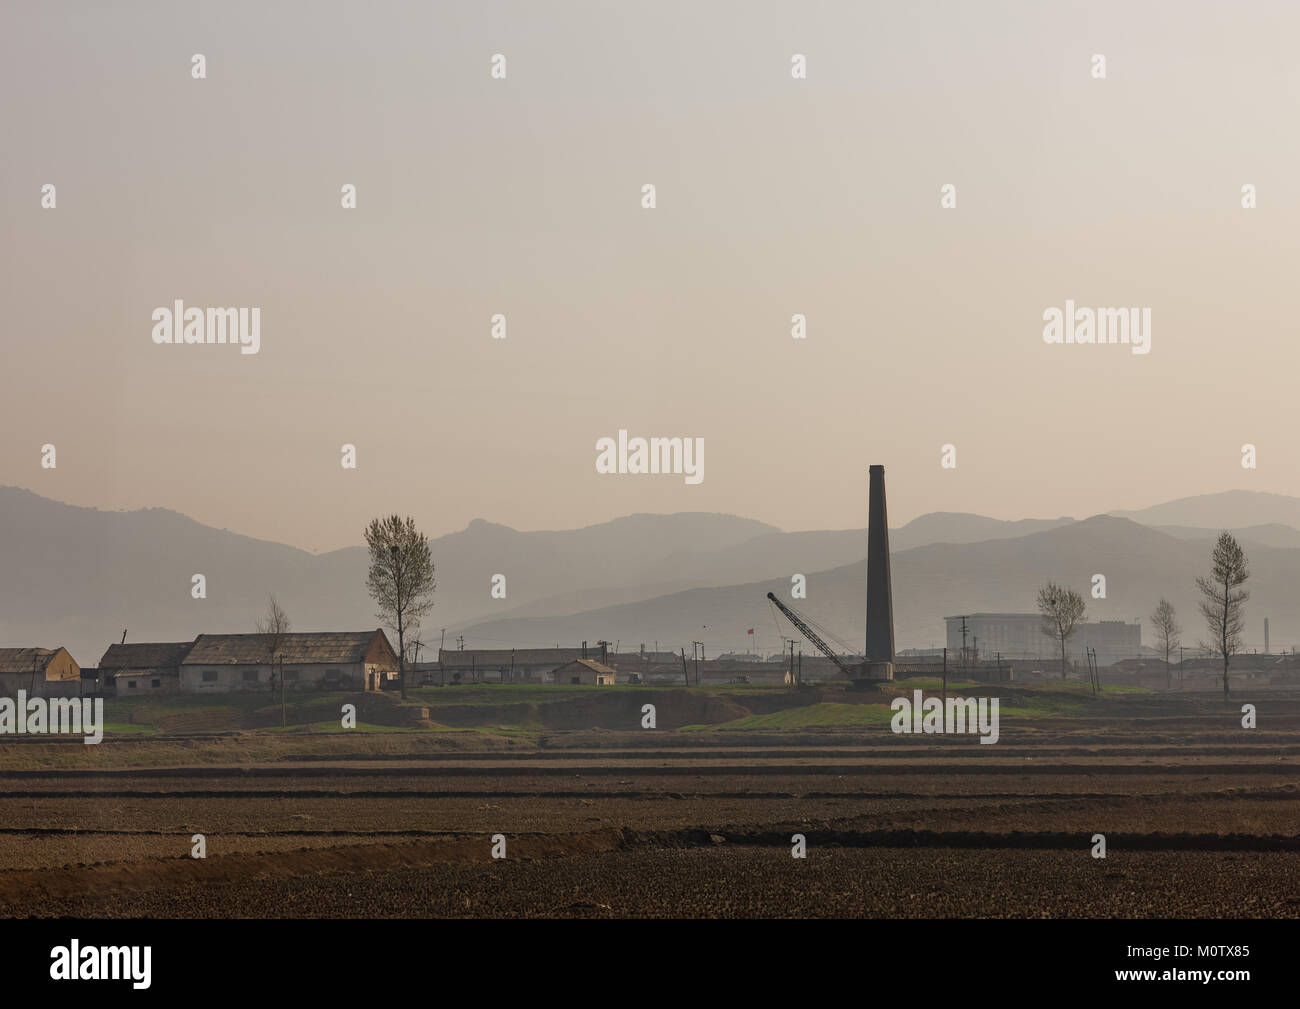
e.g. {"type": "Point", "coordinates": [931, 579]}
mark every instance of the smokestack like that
{"type": "Point", "coordinates": [1266, 651]}
{"type": "Point", "coordinates": [880, 593]}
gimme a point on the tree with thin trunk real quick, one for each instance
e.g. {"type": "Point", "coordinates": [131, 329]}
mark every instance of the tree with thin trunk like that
{"type": "Point", "coordinates": [1165, 621]}
{"type": "Point", "coordinates": [273, 625]}
{"type": "Point", "coordinates": [1061, 610]}
{"type": "Point", "coordinates": [400, 579]}
{"type": "Point", "coordinates": [1223, 599]}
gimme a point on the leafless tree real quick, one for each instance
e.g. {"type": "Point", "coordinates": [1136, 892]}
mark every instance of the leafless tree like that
{"type": "Point", "coordinates": [1061, 609]}
{"type": "Point", "coordinates": [401, 578]}
{"type": "Point", "coordinates": [1223, 599]}
{"type": "Point", "coordinates": [1165, 621]}
{"type": "Point", "coordinates": [274, 625]}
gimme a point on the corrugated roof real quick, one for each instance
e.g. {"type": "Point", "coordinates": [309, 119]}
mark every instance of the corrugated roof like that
{"type": "Point", "coordinates": [25, 660]}
{"type": "Point", "coordinates": [145, 655]}
{"type": "Point", "coordinates": [326, 647]}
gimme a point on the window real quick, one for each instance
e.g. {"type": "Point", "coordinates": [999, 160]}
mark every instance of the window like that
{"type": "Point", "coordinates": [250, 675]}
{"type": "Point", "coordinates": [155, 683]}
{"type": "Point", "coordinates": [130, 684]}
{"type": "Point", "coordinates": [209, 676]}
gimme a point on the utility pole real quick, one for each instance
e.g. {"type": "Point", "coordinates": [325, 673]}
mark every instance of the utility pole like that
{"type": "Point", "coordinates": [461, 641]}
{"type": "Point", "coordinates": [1180, 667]}
{"type": "Point", "coordinates": [945, 677]}
{"type": "Point", "coordinates": [792, 679]}
{"type": "Point", "coordinates": [963, 641]}
{"type": "Point", "coordinates": [799, 675]}
{"type": "Point", "coordinates": [686, 676]}
{"type": "Point", "coordinates": [697, 647]}
{"type": "Point", "coordinates": [283, 722]}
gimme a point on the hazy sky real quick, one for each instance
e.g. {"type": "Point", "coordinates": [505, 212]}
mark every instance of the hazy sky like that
{"type": "Point", "coordinates": [522, 196]}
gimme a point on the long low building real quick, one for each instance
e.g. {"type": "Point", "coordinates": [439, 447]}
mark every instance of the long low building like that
{"type": "Point", "coordinates": [502, 665]}
{"type": "Point", "coordinates": [325, 660]}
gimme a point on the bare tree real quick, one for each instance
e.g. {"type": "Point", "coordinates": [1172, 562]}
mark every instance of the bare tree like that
{"type": "Point", "coordinates": [401, 577]}
{"type": "Point", "coordinates": [1165, 621]}
{"type": "Point", "coordinates": [274, 625]}
{"type": "Point", "coordinates": [1223, 599]}
{"type": "Point", "coordinates": [1061, 610]}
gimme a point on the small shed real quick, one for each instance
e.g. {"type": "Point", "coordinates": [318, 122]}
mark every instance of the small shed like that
{"type": "Point", "coordinates": [587, 672]}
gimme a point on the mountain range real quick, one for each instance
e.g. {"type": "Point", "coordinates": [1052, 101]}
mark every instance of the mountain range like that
{"type": "Point", "coordinates": [80, 577]}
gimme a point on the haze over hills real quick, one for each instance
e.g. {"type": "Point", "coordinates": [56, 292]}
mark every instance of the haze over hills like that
{"type": "Point", "coordinates": [1271, 534]}
{"type": "Point", "coordinates": [78, 576]}
{"type": "Point", "coordinates": [938, 580]}
{"type": "Point", "coordinates": [1233, 509]}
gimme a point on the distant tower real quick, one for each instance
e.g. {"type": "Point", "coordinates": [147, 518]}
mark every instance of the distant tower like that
{"type": "Point", "coordinates": [1266, 651]}
{"type": "Point", "coordinates": [880, 591]}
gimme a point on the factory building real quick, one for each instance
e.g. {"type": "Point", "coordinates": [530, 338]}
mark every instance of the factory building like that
{"type": "Point", "coordinates": [1020, 636]}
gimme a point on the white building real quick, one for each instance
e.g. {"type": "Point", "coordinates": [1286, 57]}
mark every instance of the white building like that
{"type": "Point", "coordinates": [329, 660]}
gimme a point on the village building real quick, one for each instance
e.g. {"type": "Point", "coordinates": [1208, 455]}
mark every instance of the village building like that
{"type": "Point", "coordinates": [501, 665]}
{"type": "Point", "coordinates": [142, 668]}
{"type": "Point", "coordinates": [325, 660]}
{"type": "Point", "coordinates": [40, 672]}
{"type": "Point", "coordinates": [587, 672]}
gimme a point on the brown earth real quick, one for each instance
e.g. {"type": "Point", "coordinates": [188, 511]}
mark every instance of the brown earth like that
{"type": "Point", "coordinates": [1200, 818]}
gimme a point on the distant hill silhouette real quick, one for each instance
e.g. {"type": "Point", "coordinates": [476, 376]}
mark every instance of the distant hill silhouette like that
{"type": "Point", "coordinates": [77, 576]}
{"type": "Point", "coordinates": [1233, 509]}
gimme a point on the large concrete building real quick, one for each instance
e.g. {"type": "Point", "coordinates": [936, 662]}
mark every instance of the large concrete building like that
{"type": "Point", "coordinates": [1020, 636]}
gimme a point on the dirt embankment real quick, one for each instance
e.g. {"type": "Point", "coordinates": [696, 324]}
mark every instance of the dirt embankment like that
{"type": "Point", "coordinates": [615, 710]}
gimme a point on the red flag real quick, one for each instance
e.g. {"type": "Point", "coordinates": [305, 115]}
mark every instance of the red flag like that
{"type": "Point", "coordinates": [750, 631]}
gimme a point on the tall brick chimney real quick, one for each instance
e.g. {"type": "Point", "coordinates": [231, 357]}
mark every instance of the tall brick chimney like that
{"type": "Point", "coordinates": [880, 592]}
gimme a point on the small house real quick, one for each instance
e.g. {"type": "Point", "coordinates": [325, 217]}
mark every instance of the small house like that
{"type": "Point", "coordinates": [152, 667]}
{"type": "Point", "coordinates": [587, 672]}
{"type": "Point", "coordinates": [41, 672]}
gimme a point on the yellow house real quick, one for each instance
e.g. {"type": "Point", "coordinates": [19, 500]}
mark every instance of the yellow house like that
{"type": "Point", "coordinates": [41, 672]}
{"type": "Point", "coordinates": [585, 671]}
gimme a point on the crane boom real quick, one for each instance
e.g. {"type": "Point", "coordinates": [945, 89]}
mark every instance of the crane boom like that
{"type": "Point", "coordinates": [812, 636]}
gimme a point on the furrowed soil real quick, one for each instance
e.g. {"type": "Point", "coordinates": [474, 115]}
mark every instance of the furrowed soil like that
{"type": "Point", "coordinates": [1200, 816]}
